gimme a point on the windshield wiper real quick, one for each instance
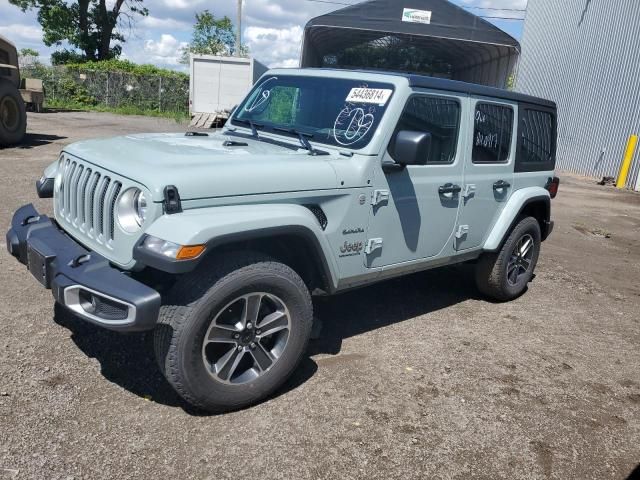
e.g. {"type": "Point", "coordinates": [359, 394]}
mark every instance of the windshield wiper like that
{"type": "Point", "coordinates": [304, 139]}
{"type": "Point", "coordinates": [254, 126]}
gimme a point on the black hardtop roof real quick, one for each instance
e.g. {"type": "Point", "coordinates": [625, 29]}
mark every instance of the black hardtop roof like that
{"type": "Point", "coordinates": [423, 81]}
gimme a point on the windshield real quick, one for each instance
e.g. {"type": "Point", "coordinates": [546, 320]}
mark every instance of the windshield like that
{"type": "Point", "coordinates": [343, 113]}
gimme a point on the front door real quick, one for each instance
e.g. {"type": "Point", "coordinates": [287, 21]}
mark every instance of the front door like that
{"type": "Point", "coordinates": [488, 175]}
{"type": "Point", "coordinates": [415, 209]}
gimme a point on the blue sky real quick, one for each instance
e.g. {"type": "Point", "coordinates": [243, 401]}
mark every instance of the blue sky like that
{"type": "Point", "coordinates": [272, 28]}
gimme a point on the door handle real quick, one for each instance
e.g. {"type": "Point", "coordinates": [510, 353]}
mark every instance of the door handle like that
{"type": "Point", "coordinates": [449, 188]}
{"type": "Point", "coordinates": [501, 185]}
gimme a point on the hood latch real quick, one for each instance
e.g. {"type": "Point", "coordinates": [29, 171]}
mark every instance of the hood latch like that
{"type": "Point", "coordinates": [172, 203]}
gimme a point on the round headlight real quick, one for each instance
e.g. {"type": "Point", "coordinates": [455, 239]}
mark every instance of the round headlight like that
{"type": "Point", "coordinates": [140, 205]}
{"type": "Point", "coordinates": [57, 183]}
{"type": "Point", "coordinates": [132, 210]}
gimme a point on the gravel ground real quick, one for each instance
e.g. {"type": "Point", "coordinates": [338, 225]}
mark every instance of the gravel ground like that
{"type": "Point", "coordinates": [413, 378]}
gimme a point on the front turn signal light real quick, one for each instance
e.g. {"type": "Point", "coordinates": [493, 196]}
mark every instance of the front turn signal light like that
{"type": "Point", "coordinates": [190, 252]}
{"type": "Point", "coordinates": [172, 250]}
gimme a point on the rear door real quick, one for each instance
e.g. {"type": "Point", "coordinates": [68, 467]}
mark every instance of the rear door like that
{"type": "Point", "coordinates": [205, 79]}
{"type": "Point", "coordinates": [488, 170]}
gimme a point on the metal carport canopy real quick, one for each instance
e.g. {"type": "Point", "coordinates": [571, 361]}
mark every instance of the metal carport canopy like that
{"type": "Point", "coordinates": [471, 48]}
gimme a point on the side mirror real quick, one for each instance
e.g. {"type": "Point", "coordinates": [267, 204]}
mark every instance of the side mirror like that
{"type": "Point", "coordinates": [412, 148]}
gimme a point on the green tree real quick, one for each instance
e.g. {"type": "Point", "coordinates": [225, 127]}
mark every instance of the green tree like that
{"type": "Point", "coordinates": [88, 25]}
{"type": "Point", "coordinates": [212, 36]}
{"type": "Point", "coordinates": [29, 52]}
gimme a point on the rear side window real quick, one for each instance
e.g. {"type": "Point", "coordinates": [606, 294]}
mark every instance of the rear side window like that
{"type": "Point", "coordinates": [537, 148]}
{"type": "Point", "coordinates": [492, 133]}
{"type": "Point", "coordinates": [435, 115]}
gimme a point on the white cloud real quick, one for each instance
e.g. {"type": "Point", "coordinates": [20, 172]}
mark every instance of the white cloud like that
{"type": "Point", "coordinates": [182, 4]}
{"type": "Point", "coordinates": [166, 51]}
{"type": "Point", "coordinates": [283, 13]}
{"type": "Point", "coordinates": [17, 32]}
{"type": "Point", "coordinates": [276, 47]}
{"type": "Point", "coordinates": [163, 23]}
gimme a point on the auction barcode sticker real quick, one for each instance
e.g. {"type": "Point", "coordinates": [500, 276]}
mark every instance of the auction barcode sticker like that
{"type": "Point", "coordinates": [379, 96]}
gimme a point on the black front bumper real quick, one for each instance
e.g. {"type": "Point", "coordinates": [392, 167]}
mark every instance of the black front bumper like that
{"type": "Point", "coordinates": [80, 279]}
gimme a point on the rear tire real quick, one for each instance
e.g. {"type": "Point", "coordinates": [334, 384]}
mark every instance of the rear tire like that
{"type": "Point", "coordinates": [13, 115]}
{"type": "Point", "coordinates": [211, 358]}
{"type": "Point", "coordinates": [505, 275]}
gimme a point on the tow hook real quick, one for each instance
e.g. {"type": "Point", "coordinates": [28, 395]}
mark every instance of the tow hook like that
{"type": "Point", "coordinates": [80, 260]}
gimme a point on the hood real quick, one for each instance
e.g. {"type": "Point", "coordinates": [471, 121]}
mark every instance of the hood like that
{"type": "Point", "coordinates": [202, 167]}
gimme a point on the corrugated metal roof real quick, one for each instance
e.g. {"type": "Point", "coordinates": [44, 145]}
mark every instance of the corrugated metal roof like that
{"type": "Point", "coordinates": [458, 44]}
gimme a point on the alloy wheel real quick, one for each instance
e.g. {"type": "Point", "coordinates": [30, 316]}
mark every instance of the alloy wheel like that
{"type": "Point", "coordinates": [246, 338]}
{"type": "Point", "coordinates": [521, 259]}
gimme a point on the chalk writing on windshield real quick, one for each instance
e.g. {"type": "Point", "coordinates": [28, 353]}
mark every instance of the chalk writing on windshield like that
{"type": "Point", "coordinates": [355, 120]}
{"type": "Point", "coordinates": [352, 124]}
{"type": "Point", "coordinates": [261, 99]}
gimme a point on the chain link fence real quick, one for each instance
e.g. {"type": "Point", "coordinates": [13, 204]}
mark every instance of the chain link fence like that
{"type": "Point", "coordinates": [74, 86]}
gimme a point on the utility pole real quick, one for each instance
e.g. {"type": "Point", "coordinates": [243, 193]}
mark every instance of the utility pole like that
{"type": "Point", "coordinates": [239, 31]}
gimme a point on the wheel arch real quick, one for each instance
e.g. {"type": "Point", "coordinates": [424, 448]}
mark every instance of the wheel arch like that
{"type": "Point", "coordinates": [293, 245]}
{"type": "Point", "coordinates": [287, 233]}
{"type": "Point", "coordinates": [534, 202]}
{"type": "Point", "coordinates": [540, 209]}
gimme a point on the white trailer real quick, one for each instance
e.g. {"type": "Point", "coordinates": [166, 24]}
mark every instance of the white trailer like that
{"type": "Point", "coordinates": [217, 85]}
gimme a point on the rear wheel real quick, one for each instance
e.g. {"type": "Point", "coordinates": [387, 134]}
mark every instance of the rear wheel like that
{"type": "Point", "coordinates": [505, 275]}
{"type": "Point", "coordinates": [233, 331]}
{"type": "Point", "coordinates": [13, 116]}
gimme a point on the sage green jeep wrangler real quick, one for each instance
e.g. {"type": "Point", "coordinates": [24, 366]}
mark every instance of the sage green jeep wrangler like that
{"type": "Point", "coordinates": [321, 181]}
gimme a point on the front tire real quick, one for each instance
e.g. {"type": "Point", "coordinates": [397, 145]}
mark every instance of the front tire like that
{"type": "Point", "coordinates": [505, 275]}
{"type": "Point", "coordinates": [232, 332]}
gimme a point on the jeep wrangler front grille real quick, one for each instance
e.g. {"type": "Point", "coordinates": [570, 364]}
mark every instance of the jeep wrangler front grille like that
{"type": "Point", "coordinates": [87, 200]}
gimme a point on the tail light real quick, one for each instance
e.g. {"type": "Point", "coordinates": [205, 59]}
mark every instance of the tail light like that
{"type": "Point", "coordinates": [552, 186]}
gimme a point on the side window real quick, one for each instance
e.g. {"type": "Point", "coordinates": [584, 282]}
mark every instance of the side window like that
{"type": "Point", "coordinates": [537, 141]}
{"type": "Point", "coordinates": [492, 133]}
{"type": "Point", "coordinates": [438, 116]}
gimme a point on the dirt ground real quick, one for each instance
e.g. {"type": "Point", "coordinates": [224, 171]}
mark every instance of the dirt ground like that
{"type": "Point", "coordinates": [417, 378]}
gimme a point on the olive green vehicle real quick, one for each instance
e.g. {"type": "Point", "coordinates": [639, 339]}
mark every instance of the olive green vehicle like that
{"type": "Point", "coordinates": [13, 116]}
{"type": "Point", "coordinates": [321, 181]}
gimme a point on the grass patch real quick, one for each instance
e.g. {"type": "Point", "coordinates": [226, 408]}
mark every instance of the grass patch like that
{"type": "Point", "coordinates": [178, 116]}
